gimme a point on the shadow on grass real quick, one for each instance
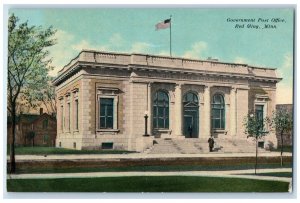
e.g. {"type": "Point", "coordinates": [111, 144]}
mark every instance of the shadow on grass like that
{"type": "Point", "coordinates": [54, 150]}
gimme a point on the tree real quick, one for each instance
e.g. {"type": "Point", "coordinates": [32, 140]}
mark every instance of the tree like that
{"type": "Point", "coordinates": [282, 121]}
{"type": "Point", "coordinates": [255, 127]}
{"type": "Point", "coordinates": [28, 63]}
{"type": "Point", "coordinates": [37, 96]}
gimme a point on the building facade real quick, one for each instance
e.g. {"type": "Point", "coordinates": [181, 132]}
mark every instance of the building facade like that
{"type": "Point", "coordinates": [103, 99]}
{"type": "Point", "coordinates": [287, 136]}
{"type": "Point", "coordinates": [33, 130]}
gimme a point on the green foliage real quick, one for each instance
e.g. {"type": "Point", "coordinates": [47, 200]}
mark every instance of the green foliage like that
{"type": "Point", "coordinates": [28, 58]}
{"type": "Point", "coordinates": [282, 121]}
{"type": "Point", "coordinates": [28, 66]}
{"type": "Point", "coordinates": [255, 127]}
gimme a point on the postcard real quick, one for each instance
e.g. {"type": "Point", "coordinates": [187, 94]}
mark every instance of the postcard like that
{"type": "Point", "coordinates": [150, 99]}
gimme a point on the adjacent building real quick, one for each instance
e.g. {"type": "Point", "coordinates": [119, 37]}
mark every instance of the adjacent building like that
{"type": "Point", "coordinates": [126, 101]}
{"type": "Point", "coordinates": [287, 136]}
{"type": "Point", "coordinates": [33, 129]}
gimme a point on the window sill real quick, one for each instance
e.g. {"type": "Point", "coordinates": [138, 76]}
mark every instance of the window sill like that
{"type": "Point", "coordinates": [162, 130]}
{"type": "Point", "coordinates": [219, 131]}
{"type": "Point", "coordinates": [108, 130]}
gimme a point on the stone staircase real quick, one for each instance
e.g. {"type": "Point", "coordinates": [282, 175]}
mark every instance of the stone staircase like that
{"type": "Point", "coordinates": [174, 146]}
{"type": "Point", "coordinates": [200, 146]}
{"type": "Point", "coordinates": [163, 146]}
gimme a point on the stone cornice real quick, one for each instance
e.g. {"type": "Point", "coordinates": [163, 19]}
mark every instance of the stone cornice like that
{"type": "Point", "coordinates": [142, 62]}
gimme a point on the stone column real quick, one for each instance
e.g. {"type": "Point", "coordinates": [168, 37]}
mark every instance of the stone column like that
{"type": "Point", "coordinates": [178, 111]}
{"type": "Point", "coordinates": [207, 110]}
{"type": "Point", "coordinates": [233, 111]}
{"type": "Point", "coordinates": [149, 108]}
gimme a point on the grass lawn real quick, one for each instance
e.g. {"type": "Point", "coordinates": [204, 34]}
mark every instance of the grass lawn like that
{"type": "Point", "coordinates": [150, 168]}
{"type": "Point", "coordinates": [146, 184]}
{"type": "Point", "coordinates": [276, 174]}
{"type": "Point", "coordinates": [54, 150]}
{"type": "Point", "coordinates": [285, 149]}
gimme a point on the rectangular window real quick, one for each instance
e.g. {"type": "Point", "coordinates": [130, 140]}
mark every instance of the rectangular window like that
{"type": "Point", "coordinates": [45, 139]}
{"type": "Point", "coordinates": [106, 113]}
{"type": "Point", "coordinates": [69, 116]}
{"type": "Point", "coordinates": [76, 115]}
{"type": "Point", "coordinates": [259, 113]}
{"type": "Point", "coordinates": [45, 124]}
{"type": "Point", "coordinates": [62, 118]}
{"type": "Point", "coordinates": [218, 119]}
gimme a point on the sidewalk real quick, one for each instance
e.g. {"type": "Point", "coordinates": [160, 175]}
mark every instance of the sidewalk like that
{"type": "Point", "coordinates": [247, 174]}
{"type": "Point", "coordinates": [142, 156]}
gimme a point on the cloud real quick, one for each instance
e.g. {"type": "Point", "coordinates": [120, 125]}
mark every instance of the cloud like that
{"type": "Point", "coordinates": [284, 94]}
{"type": "Point", "coordinates": [61, 52]}
{"type": "Point", "coordinates": [164, 53]}
{"type": "Point", "coordinates": [286, 69]}
{"type": "Point", "coordinates": [116, 40]}
{"type": "Point", "coordinates": [140, 47]}
{"type": "Point", "coordinates": [285, 87]}
{"type": "Point", "coordinates": [83, 44]}
{"type": "Point", "coordinates": [241, 60]}
{"type": "Point", "coordinates": [196, 51]}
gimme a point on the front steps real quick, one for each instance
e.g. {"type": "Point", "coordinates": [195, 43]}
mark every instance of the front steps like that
{"type": "Point", "coordinates": [200, 146]}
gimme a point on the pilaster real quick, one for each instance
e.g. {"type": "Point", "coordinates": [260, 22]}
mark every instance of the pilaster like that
{"type": "Point", "coordinates": [178, 110]}
{"type": "Point", "coordinates": [207, 112]}
{"type": "Point", "coordinates": [233, 111]}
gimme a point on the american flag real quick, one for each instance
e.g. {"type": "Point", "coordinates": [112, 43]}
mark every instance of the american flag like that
{"type": "Point", "coordinates": [163, 25]}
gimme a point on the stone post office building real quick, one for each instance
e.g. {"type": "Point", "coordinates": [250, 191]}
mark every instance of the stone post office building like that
{"type": "Point", "coordinates": [103, 97]}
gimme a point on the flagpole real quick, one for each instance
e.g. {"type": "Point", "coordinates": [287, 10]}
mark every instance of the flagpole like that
{"type": "Point", "coordinates": [170, 35]}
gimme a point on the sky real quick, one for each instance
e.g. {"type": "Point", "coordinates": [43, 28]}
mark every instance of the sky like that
{"type": "Point", "coordinates": [197, 33]}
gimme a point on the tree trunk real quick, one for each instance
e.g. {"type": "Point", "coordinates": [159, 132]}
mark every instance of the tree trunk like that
{"type": "Point", "coordinates": [281, 151]}
{"type": "Point", "coordinates": [255, 155]}
{"type": "Point", "coordinates": [12, 143]}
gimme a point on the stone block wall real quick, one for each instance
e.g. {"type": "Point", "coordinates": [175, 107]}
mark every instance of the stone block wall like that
{"type": "Point", "coordinates": [242, 111]}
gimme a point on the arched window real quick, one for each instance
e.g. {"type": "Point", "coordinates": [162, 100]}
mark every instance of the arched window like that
{"type": "Point", "coordinates": [218, 112]}
{"type": "Point", "coordinates": [190, 98]}
{"type": "Point", "coordinates": [161, 110]}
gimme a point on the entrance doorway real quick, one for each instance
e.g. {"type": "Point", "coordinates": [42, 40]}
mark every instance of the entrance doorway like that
{"type": "Point", "coordinates": [190, 115]}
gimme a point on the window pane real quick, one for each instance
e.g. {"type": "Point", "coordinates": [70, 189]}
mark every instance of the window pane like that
{"type": "Point", "coordinates": [160, 103]}
{"type": "Point", "coordinates": [160, 111]}
{"type": "Point", "coordinates": [259, 107]}
{"type": "Point", "coordinates": [161, 123]}
{"type": "Point", "coordinates": [102, 122]}
{"type": "Point", "coordinates": [109, 122]}
{"type": "Point", "coordinates": [189, 97]}
{"type": "Point", "coordinates": [155, 122]}
{"type": "Point", "coordinates": [167, 123]}
{"type": "Point", "coordinates": [161, 95]}
{"type": "Point", "coordinates": [167, 112]}
{"type": "Point", "coordinates": [102, 110]}
{"type": "Point", "coordinates": [109, 111]}
{"type": "Point", "coordinates": [216, 113]}
{"type": "Point", "coordinates": [223, 123]}
{"type": "Point", "coordinates": [154, 111]}
{"type": "Point", "coordinates": [106, 101]}
{"type": "Point", "coordinates": [217, 123]}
